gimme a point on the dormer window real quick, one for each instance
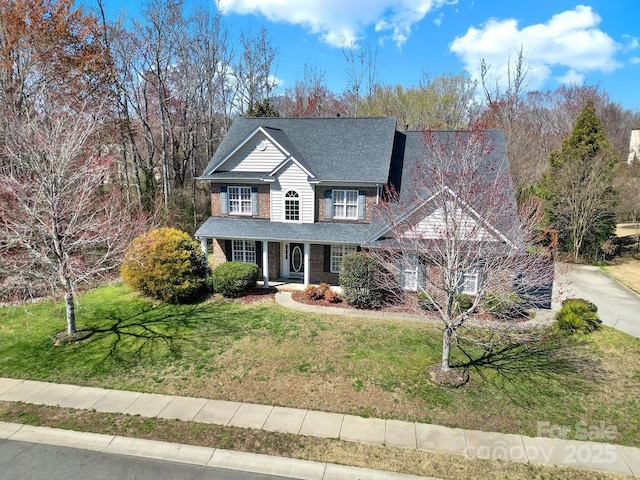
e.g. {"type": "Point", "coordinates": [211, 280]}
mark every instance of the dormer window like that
{"type": "Point", "coordinates": [292, 206]}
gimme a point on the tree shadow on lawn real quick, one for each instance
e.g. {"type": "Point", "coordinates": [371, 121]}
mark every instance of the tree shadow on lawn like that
{"type": "Point", "coordinates": [533, 367]}
{"type": "Point", "coordinates": [153, 334]}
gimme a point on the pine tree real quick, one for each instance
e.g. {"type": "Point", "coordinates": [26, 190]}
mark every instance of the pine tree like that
{"type": "Point", "coordinates": [578, 186]}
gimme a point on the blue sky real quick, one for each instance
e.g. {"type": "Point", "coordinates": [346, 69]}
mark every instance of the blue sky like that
{"type": "Point", "coordinates": [594, 42]}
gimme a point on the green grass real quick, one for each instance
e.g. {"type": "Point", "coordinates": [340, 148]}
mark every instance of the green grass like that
{"type": "Point", "coordinates": [135, 342]}
{"type": "Point", "coordinates": [264, 353]}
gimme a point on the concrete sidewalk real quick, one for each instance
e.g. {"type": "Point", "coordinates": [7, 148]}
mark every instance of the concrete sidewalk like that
{"type": "Point", "coordinates": [393, 433]}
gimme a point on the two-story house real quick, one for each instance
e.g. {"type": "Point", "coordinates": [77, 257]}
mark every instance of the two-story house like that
{"type": "Point", "coordinates": [295, 195]}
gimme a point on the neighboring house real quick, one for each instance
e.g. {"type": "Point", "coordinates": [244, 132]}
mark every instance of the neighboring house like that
{"type": "Point", "coordinates": [634, 147]}
{"type": "Point", "coordinates": [295, 195]}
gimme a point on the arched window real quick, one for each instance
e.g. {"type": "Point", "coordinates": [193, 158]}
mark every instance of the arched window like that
{"type": "Point", "coordinates": [292, 206]}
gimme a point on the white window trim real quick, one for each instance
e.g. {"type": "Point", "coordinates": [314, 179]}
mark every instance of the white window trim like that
{"type": "Point", "coordinates": [470, 281]}
{"type": "Point", "coordinates": [239, 201]}
{"type": "Point", "coordinates": [410, 269]}
{"type": "Point", "coordinates": [338, 252]}
{"type": "Point", "coordinates": [345, 203]}
{"type": "Point", "coordinates": [242, 252]}
{"type": "Point", "coordinates": [284, 207]}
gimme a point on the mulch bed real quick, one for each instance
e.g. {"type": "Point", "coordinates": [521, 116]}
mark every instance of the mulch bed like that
{"type": "Point", "coordinates": [64, 338]}
{"type": "Point", "coordinates": [300, 298]}
{"type": "Point", "coordinates": [257, 295]}
{"type": "Point", "coordinates": [480, 318]}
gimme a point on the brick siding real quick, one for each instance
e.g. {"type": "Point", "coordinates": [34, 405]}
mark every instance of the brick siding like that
{"type": "Point", "coordinates": [264, 201]}
{"type": "Point", "coordinates": [370, 202]}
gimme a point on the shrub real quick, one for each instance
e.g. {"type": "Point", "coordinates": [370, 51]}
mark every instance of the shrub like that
{"type": "Point", "coordinates": [311, 292]}
{"type": "Point", "coordinates": [579, 304]}
{"type": "Point", "coordinates": [233, 278]}
{"type": "Point", "coordinates": [165, 264]}
{"type": "Point", "coordinates": [504, 307]}
{"type": "Point", "coordinates": [211, 286]}
{"type": "Point", "coordinates": [577, 315]}
{"type": "Point", "coordinates": [332, 297]}
{"type": "Point", "coordinates": [463, 303]}
{"type": "Point", "coordinates": [324, 288]}
{"type": "Point", "coordinates": [427, 302]}
{"type": "Point", "coordinates": [363, 281]}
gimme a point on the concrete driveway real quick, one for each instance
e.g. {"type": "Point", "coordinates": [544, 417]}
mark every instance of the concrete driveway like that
{"type": "Point", "coordinates": [618, 306]}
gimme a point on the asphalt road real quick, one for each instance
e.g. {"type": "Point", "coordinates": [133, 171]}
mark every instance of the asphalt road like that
{"type": "Point", "coordinates": [618, 306]}
{"type": "Point", "coordinates": [33, 461]}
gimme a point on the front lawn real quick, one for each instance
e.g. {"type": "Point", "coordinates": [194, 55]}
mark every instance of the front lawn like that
{"type": "Point", "coordinates": [264, 353]}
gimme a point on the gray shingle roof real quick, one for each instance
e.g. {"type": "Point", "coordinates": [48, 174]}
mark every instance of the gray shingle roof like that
{"type": "Point", "coordinates": [333, 149]}
{"type": "Point", "coordinates": [494, 169]}
{"type": "Point", "coordinates": [261, 229]}
{"type": "Point", "coordinates": [357, 150]}
{"type": "Point", "coordinates": [414, 151]}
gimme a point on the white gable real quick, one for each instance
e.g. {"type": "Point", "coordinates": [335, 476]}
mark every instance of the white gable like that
{"type": "Point", "coordinates": [440, 223]}
{"type": "Point", "coordinates": [256, 154]}
{"type": "Point", "coordinates": [292, 177]}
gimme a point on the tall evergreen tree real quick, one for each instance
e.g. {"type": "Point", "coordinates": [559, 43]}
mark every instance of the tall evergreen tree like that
{"type": "Point", "coordinates": [578, 186]}
{"type": "Point", "coordinates": [262, 108]}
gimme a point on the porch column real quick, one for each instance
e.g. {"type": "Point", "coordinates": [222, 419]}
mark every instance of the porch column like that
{"type": "Point", "coordinates": [265, 264]}
{"type": "Point", "coordinates": [307, 255]}
{"type": "Point", "coordinates": [205, 251]}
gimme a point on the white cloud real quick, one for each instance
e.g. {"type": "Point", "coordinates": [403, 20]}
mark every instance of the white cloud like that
{"type": "Point", "coordinates": [635, 60]}
{"type": "Point", "coordinates": [341, 22]}
{"type": "Point", "coordinates": [631, 43]}
{"type": "Point", "coordinates": [572, 78]}
{"type": "Point", "coordinates": [570, 42]}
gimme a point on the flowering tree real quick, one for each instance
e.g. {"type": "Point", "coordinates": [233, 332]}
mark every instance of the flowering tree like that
{"type": "Point", "coordinates": [62, 223]}
{"type": "Point", "coordinates": [452, 231]}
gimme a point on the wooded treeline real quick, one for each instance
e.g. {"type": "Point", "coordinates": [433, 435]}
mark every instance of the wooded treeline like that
{"type": "Point", "coordinates": [167, 85]}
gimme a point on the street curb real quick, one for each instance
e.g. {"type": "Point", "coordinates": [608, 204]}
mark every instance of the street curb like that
{"type": "Point", "coordinates": [194, 455]}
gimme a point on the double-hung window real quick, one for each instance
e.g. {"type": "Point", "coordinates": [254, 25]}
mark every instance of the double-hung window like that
{"type": "Point", "coordinates": [345, 204]}
{"type": "Point", "coordinates": [470, 281]}
{"type": "Point", "coordinates": [410, 268]}
{"type": "Point", "coordinates": [243, 251]}
{"type": "Point", "coordinates": [239, 200]}
{"type": "Point", "coordinates": [337, 254]}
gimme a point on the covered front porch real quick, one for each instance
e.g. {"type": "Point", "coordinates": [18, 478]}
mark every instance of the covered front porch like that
{"type": "Point", "coordinates": [283, 262]}
{"type": "Point", "coordinates": [309, 253]}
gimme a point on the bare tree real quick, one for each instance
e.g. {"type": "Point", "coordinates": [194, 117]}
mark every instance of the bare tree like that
{"type": "Point", "coordinates": [310, 97]}
{"type": "Point", "coordinates": [254, 71]}
{"type": "Point", "coordinates": [160, 38]}
{"type": "Point", "coordinates": [627, 184]}
{"type": "Point", "coordinates": [454, 228]}
{"type": "Point", "coordinates": [361, 66]}
{"type": "Point", "coordinates": [116, 74]}
{"type": "Point", "coordinates": [63, 225]}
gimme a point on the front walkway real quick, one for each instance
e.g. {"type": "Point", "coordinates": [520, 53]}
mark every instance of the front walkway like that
{"type": "Point", "coordinates": [393, 433]}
